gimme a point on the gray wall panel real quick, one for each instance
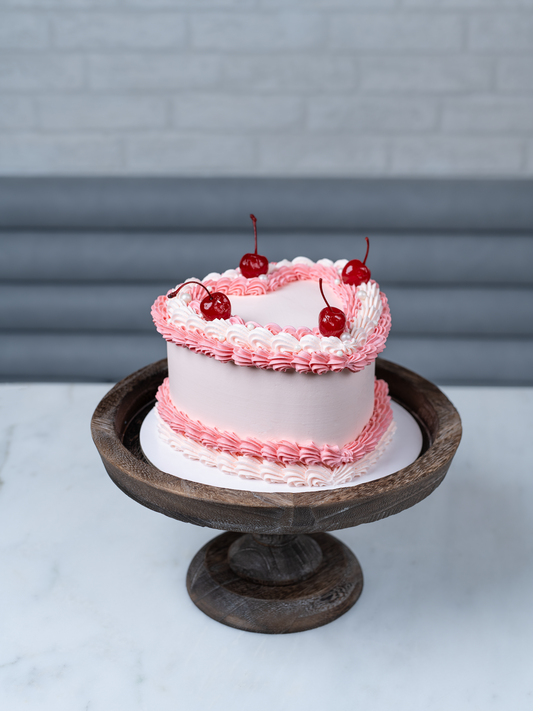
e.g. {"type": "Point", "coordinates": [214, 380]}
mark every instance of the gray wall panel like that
{"type": "Point", "coordinates": [437, 311]}
{"type": "Point", "coordinates": [81, 261]}
{"type": "Point", "coordinates": [76, 356]}
{"type": "Point", "coordinates": [427, 258]}
{"type": "Point", "coordinates": [467, 361]}
{"type": "Point", "coordinates": [283, 203]}
{"type": "Point", "coordinates": [78, 307]}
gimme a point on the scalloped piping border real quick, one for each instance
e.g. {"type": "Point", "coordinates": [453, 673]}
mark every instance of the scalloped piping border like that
{"type": "Point", "coordinates": [273, 472]}
{"type": "Point", "coordinates": [338, 354]}
{"type": "Point", "coordinates": [281, 451]}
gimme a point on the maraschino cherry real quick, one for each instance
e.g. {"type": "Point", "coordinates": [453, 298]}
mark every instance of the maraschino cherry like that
{"type": "Point", "coordinates": [214, 305]}
{"type": "Point", "coordinates": [356, 272]}
{"type": "Point", "coordinates": [252, 265]}
{"type": "Point", "coordinates": [331, 320]}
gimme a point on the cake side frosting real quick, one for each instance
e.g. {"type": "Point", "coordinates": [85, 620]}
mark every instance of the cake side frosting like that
{"type": "Point", "coordinates": [281, 462]}
{"type": "Point", "coordinates": [331, 408]}
{"type": "Point", "coordinates": [269, 346]}
{"type": "Point", "coordinates": [284, 451]}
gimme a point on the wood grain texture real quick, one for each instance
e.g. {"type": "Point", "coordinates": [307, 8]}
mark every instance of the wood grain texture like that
{"type": "Point", "coordinates": [265, 575]}
{"type": "Point", "coordinates": [238, 602]}
{"type": "Point", "coordinates": [115, 428]}
{"type": "Point", "coordinates": [274, 560]}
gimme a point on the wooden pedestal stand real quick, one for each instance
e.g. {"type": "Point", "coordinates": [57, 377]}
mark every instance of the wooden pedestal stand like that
{"type": "Point", "coordinates": [275, 570]}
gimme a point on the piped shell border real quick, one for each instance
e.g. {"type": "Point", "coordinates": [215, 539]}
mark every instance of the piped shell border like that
{"type": "Point", "coordinates": [305, 350]}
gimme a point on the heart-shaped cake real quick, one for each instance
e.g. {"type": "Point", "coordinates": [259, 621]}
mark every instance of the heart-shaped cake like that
{"type": "Point", "coordinates": [263, 394]}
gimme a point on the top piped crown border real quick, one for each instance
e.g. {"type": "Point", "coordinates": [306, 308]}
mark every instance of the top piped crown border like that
{"type": "Point", "coordinates": [305, 350]}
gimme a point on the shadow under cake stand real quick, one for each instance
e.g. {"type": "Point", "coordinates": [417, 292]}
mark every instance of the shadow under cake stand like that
{"type": "Point", "coordinates": [275, 570]}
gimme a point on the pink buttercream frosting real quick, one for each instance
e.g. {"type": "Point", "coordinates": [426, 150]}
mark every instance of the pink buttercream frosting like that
{"type": "Point", "coordinates": [281, 451]}
{"type": "Point", "coordinates": [269, 346]}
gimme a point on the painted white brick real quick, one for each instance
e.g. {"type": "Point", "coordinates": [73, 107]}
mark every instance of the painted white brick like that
{"type": "Point", "coordinates": [61, 4]}
{"type": "Point", "coordinates": [193, 4]}
{"type": "Point", "coordinates": [493, 115]}
{"type": "Point", "coordinates": [330, 4]}
{"type": "Point", "coordinates": [81, 113]}
{"type": "Point", "coordinates": [289, 73]}
{"type": "Point", "coordinates": [515, 75]}
{"type": "Point", "coordinates": [457, 156]}
{"type": "Point", "coordinates": [157, 73]}
{"type": "Point", "coordinates": [16, 112]}
{"type": "Point", "coordinates": [529, 159]}
{"type": "Point", "coordinates": [428, 75]}
{"type": "Point", "coordinates": [238, 113]}
{"type": "Point", "coordinates": [20, 30]}
{"type": "Point", "coordinates": [467, 4]}
{"type": "Point", "coordinates": [56, 155]}
{"type": "Point", "coordinates": [331, 114]}
{"type": "Point", "coordinates": [115, 31]}
{"type": "Point", "coordinates": [395, 32]}
{"type": "Point", "coordinates": [190, 154]}
{"type": "Point", "coordinates": [257, 87]}
{"type": "Point", "coordinates": [495, 32]}
{"type": "Point", "coordinates": [256, 31]}
{"type": "Point", "coordinates": [322, 155]}
{"type": "Point", "coordinates": [40, 72]}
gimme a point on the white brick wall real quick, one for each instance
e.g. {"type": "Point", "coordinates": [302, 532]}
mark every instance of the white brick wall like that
{"type": "Point", "coordinates": [266, 87]}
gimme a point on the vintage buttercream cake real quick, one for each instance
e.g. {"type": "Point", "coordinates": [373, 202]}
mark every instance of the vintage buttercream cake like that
{"type": "Point", "coordinates": [260, 388]}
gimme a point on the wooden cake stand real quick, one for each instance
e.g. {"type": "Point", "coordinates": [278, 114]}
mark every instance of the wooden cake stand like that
{"type": "Point", "coordinates": [275, 570]}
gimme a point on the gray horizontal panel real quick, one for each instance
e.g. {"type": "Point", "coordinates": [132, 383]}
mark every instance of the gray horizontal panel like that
{"type": "Point", "coordinates": [425, 311]}
{"type": "Point", "coordinates": [110, 357]}
{"type": "Point", "coordinates": [75, 357]}
{"type": "Point", "coordinates": [461, 312]}
{"type": "Point", "coordinates": [407, 259]}
{"type": "Point", "coordinates": [70, 307]}
{"type": "Point", "coordinates": [468, 361]}
{"type": "Point", "coordinates": [281, 203]}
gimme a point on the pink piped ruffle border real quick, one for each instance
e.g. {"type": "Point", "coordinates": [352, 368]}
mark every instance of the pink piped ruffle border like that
{"type": "Point", "coordinates": [282, 450]}
{"type": "Point", "coordinates": [302, 361]}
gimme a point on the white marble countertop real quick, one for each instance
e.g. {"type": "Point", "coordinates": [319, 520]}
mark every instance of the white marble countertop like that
{"type": "Point", "coordinates": [94, 614]}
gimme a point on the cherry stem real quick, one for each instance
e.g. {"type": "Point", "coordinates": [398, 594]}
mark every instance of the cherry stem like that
{"type": "Point", "coordinates": [254, 220]}
{"type": "Point", "coordinates": [199, 283]}
{"type": "Point", "coordinates": [322, 292]}
{"type": "Point", "coordinates": [367, 248]}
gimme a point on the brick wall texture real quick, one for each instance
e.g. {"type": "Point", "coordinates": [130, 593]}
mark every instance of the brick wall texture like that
{"type": "Point", "coordinates": [266, 87]}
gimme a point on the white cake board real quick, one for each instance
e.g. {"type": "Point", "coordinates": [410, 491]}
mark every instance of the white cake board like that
{"type": "Point", "coordinates": [402, 451]}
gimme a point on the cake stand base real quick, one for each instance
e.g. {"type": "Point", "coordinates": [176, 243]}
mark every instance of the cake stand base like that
{"type": "Point", "coordinates": [274, 584]}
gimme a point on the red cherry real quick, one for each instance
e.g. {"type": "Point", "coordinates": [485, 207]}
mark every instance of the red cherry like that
{"type": "Point", "coordinates": [355, 272]}
{"type": "Point", "coordinates": [252, 265]}
{"type": "Point", "coordinates": [331, 320]}
{"type": "Point", "coordinates": [214, 305]}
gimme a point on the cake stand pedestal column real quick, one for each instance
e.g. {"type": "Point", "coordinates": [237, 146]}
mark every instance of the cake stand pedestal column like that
{"type": "Point", "coordinates": [288, 593]}
{"type": "Point", "coordinates": [275, 570]}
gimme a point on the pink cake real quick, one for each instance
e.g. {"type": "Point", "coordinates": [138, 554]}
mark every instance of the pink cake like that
{"type": "Point", "coordinates": [263, 394]}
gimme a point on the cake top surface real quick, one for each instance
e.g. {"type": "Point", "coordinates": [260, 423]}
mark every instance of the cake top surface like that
{"type": "Point", "coordinates": [275, 316]}
{"type": "Point", "coordinates": [298, 302]}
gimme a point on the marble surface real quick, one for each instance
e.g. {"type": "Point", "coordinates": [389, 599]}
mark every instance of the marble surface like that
{"type": "Point", "coordinates": [94, 614]}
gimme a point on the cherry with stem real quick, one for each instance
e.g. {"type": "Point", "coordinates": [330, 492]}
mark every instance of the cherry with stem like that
{"type": "Point", "coordinates": [356, 272]}
{"type": "Point", "coordinates": [214, 305]}
{"type": "Point", "coordinates": [331, 320]}
{"type": "Point", "coordinates": [253, 264]}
